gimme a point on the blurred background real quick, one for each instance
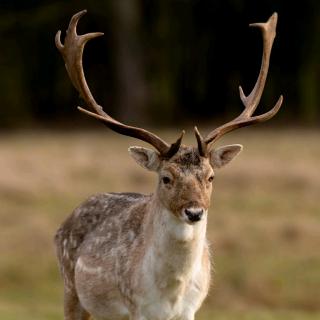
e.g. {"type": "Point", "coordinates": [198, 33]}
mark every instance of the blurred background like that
{"type": "Point", "coordinates": [164, 65]}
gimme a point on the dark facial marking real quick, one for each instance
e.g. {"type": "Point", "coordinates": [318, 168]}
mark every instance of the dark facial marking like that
{"type": "Point", "coordinates": [187, 159]}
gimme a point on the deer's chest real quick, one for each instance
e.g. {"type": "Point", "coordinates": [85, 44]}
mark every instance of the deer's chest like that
{"type": "Point", "coordinates": [173, 297]}
{"type": "Point", "coordinates": [171, 289]}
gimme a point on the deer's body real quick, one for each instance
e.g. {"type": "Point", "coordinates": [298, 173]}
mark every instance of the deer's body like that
{"type": "Point", "coordinates": [135, 260]}
{"type": "Point", "coordinates": [129, 256]}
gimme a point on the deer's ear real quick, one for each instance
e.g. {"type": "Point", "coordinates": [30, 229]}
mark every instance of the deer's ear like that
{"type": "Point", "coordinates": [146, 158]}
{"type": "Point", "coordinates": [223, 155]}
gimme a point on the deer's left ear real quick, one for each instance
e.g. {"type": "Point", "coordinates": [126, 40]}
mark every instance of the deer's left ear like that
{"type": "Point", "coordinates": [146, 158]}
{"type": "Point", "coordinates": [221, 156]}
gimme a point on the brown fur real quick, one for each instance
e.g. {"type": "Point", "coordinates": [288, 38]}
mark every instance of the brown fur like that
{"type": "Point", "coordinates": [190, 187]}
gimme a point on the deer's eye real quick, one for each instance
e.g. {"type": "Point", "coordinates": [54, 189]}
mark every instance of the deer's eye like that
{"type": "Point", "coordinates": [210, 179]}
{"type": "Point", "coordinates": [166, 180]}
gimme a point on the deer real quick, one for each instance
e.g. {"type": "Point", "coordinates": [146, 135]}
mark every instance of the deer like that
{"type": "Point", "coordinates": [146, 257]}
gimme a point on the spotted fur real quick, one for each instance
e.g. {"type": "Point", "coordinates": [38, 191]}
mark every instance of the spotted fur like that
{"type": "Point", "coordinates": [137, 257]}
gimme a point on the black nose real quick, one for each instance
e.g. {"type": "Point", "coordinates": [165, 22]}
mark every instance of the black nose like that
{"type": "Point", "coordinates": [194, 215]}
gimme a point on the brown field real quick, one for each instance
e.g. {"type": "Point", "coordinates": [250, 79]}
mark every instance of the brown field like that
{"type": "Point", "coordinates": [264, 224]}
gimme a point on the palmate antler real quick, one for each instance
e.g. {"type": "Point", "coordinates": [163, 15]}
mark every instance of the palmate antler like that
{"type": "Point", "coordinates": [72, 52]}
{"type": "Point", "coordinates": [252, 100]}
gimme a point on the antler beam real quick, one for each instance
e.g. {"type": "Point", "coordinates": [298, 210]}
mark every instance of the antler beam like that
{"type": "Point", "coordinates": [252, 100]}
{"type": "Point", "coordinates": [72, 52]}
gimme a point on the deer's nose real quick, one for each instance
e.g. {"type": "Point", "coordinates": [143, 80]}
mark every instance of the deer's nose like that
{"type": "Point", "coordinates": [194, 214]}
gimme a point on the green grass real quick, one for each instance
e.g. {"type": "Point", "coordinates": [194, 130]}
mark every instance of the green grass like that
{"type": "Point", "coordinates": [263, 225]}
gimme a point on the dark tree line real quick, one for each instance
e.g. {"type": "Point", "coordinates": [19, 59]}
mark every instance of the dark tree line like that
{"type": "Point", "coordinates": [159, 61]}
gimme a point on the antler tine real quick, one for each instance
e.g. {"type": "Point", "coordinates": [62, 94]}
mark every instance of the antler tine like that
{"type": "Point", "coordinates": [252, 100]}
{"type": "Point", "coordinates": [72, 52]}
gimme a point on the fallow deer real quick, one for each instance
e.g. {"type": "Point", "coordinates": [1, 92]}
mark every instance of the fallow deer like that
{"type": "Point", "coordinates": [146, 257]}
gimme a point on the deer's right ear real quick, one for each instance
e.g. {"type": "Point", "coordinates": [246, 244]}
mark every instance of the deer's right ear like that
{"type": "Point", "coordinates": [146, 158]}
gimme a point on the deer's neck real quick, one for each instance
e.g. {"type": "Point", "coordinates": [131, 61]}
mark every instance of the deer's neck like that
{"type": "Point", "coordinates": [175, 248]}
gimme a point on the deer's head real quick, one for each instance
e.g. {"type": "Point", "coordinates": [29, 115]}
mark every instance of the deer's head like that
{"type": "Point", "coordinates": [185, 173]}
{"type": "Point", "coordinates": [185, 179]}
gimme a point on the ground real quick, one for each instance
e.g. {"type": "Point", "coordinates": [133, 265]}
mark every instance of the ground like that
{"type": "Point", "coordinates": [263, 226]}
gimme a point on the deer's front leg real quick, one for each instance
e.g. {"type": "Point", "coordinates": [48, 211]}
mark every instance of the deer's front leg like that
{"type": "Point", "coordinates": [136, 315]}
{"type": "Point", "coordinates": [188, 314]}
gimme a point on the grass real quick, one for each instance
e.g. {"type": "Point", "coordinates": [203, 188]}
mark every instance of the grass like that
{"type": "Point", "coordinates": [264, 222]}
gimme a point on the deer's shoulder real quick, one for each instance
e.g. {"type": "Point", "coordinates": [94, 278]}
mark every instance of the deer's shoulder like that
{"type": "Point", "coordinates": [100, 211]}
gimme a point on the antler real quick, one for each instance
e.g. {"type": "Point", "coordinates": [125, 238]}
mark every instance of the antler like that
{"type": "Point", "coordinates": [72, 52]}
{"type": "Point", "coordinates": [252, 100]}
